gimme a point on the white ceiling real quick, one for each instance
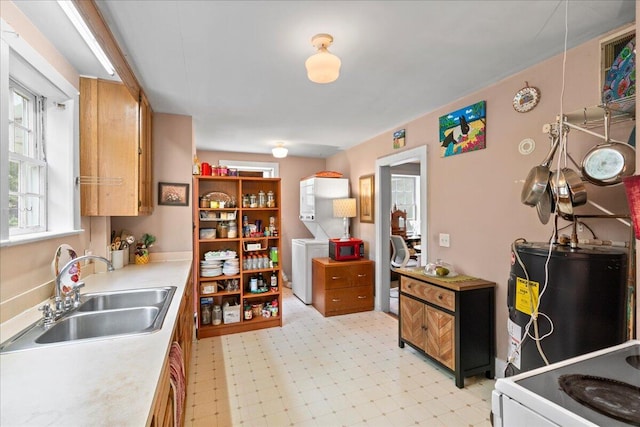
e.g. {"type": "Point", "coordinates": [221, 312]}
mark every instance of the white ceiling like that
{"type": "Point", "coordinates": [237, 67]}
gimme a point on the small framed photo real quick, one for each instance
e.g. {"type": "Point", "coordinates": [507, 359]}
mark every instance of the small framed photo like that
{"type": "Point", "coordinates": [398, 138]}
{"type": "Point", "coordinates": [173, 194]}
{"type": "Point", "coordinates": [366, 198]}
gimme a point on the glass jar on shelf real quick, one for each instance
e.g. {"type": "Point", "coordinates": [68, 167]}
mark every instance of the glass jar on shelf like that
{"type": "Point", "coordinates": [271, 199]}
{"type": "Point", "coordinates": [216, 316]}
{"type": "Point", "coordinates": [253, 201]}
{"type": "Point", "coordinates": [223, 230]}
{"type": "Point", "coordinates": [233, 230]}
{"type": "Point", "coordinates": [262, 199]}
{"type": "Point", "coordinates": [205, 310]}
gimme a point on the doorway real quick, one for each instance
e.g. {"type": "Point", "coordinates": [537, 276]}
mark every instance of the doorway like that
{"type": "Point", "coordinates": [382, 206]}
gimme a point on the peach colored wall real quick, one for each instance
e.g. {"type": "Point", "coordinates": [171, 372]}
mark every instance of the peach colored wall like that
{"type": "Point", "coordinates": [292, 169]}
{"type": "Point", "coordinates": [172, 141]}
{"type": "Point", "coordinates": [26, 30]}
{"type": "Point", "coordinates": [475, 197]}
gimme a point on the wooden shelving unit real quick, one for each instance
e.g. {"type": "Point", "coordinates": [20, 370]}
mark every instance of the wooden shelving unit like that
{"type": "Point", "coordinates": [233, 188]}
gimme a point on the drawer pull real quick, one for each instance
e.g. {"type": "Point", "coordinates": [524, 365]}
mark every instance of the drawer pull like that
{"type": "Point", "coordinates": [335, 277]}
{"type": "Point", "coordinates": [335, 299]}
{"type": "Point", "coordinates": [362, 296]}
{"type": "Point", "coordinates": [440, 297]}
{"type": "Point", "coordinates": [362, 275]}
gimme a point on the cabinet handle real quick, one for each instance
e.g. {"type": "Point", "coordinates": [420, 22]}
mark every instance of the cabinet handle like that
{"type": "Point", "coordinates": [362, 275]}
{"type": "Point", "coordinates": [440, 296]}
{"type": "Point", "coordinates": [335, 300]}
{"type": "Point", "coordinates": [335, 277]}
{"type": "Point", "coordinates": [362, 297]}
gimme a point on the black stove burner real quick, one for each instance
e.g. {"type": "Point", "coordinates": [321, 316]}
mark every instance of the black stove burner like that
{"type": "Point", "coordinates": [634, 361]}
{"type": "Point", "coordinates": [615, 399]}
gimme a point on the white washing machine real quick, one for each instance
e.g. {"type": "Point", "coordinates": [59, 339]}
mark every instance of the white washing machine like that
{"type": "Point", "coordinates": [302, 252]}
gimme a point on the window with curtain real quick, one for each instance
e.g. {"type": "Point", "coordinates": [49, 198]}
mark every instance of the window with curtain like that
{"type": "Point", "coordinates": [405, 195]}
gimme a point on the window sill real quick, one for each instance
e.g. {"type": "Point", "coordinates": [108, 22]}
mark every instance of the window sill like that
{"type": "Point", "coordinates": [37, 237]}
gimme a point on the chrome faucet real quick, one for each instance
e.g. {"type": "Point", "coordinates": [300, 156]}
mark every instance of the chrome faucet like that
{"type": "Point", "coordinates": [63, 306]}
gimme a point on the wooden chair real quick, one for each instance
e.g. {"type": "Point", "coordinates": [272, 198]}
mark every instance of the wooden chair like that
{"type": "Point", "coordinates": [399, 223]}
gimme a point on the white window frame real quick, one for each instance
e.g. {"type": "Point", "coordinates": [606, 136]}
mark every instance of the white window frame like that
{"type": "Point", "coordinates": [35, 157]}
{"type": "Point", "coordinates": [26, 65]}
{"type": "Point", "coordinates": [413, 215]}
{"type": "Point", "coordinates": [268, 169]}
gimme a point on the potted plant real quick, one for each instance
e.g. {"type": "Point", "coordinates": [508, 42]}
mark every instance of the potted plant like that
{"type": "Point", "coordinates": [142, 248]}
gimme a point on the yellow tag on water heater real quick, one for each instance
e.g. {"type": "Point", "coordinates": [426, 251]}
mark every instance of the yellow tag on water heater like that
{"type": "Point", "coordinates": [526, 296]}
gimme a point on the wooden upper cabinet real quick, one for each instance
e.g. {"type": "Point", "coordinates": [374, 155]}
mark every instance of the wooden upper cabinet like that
{"type": "Point", "coordinates": [115, 151]}
{"type": "Point", "coordinates": [145, 182]}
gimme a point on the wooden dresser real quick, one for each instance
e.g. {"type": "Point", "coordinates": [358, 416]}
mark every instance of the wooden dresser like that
{"type": "Point", "coordinates": [451, 322]}
{"type": "Point", "coordinates": [342, 287]}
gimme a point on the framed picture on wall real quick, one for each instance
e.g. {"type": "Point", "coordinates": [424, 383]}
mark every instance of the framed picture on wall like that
{"type": "Point", "coordinates": [366, 198]}
{"type": "Point", "coordinates": [173, 194]}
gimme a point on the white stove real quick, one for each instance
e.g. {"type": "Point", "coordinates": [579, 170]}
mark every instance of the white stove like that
{"type": "Point", "coordinates": [596, 389]}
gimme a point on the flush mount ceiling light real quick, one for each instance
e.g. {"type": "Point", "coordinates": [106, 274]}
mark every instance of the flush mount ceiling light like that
{"type": "Point", "coordinates": [279, 152]}
{"type": "Point", "coordinates": [324, 66]}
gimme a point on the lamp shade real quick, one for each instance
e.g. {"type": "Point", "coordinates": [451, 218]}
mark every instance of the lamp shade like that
{"type": "Point", "coordinates": [279, 152]}
{"type": "Point", "coordinates": [344, 208]}
{"type": "Point", "coordinates": [323, 67]}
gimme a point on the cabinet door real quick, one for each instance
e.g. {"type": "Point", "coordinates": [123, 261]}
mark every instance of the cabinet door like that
{"type": "Point", "coordinates": [145, 183]}
{"type": "Point", "coordinates": [108, 149]}
{"type": "Point", "coordinates": [440, 336]}
{"type": "Point", "coordinates": [412, 322]}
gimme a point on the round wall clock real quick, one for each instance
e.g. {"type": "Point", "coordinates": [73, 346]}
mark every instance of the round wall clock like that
{"type": "Point", "coordinates": [526, 99]}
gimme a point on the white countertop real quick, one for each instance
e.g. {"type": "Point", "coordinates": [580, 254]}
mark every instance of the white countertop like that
{"type": "Point", "coordinates": [105, 382]}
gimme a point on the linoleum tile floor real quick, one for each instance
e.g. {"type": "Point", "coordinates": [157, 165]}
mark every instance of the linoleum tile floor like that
{"type": "Point", "coordinates": [336, 371]}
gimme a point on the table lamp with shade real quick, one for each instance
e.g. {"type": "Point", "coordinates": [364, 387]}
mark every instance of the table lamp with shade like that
{"type": "Point", "coordinates": [345, 209]}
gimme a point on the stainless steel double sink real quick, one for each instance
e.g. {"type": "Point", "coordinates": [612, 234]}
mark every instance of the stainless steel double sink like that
{"type": "Point", "coordinates": [99, 316]}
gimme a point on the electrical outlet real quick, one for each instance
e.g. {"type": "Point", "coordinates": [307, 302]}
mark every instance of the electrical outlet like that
{"type": "Point", "coordinates": [444, 240]}
{"type": "Point", "coordinates": [580, 227]}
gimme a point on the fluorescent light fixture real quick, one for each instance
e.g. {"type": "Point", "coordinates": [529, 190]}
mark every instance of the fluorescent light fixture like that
{"type": "Point", "coordinates": [74, 16]}
{"type": "Point", "coordinates": [279, 152]}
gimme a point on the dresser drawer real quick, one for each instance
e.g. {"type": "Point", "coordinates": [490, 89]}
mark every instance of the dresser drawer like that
{"type": "Point", "coordinates": [441, 297]}
{"type": "Point", "coordinates": [349, 300]}
{"type": "Point", "coordinates": [337, 277]}
{"type": "Point", "coordinates": [362, 275]}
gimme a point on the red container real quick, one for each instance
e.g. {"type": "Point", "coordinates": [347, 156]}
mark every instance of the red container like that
{"type": "Point", "coordinates": [205, 169]}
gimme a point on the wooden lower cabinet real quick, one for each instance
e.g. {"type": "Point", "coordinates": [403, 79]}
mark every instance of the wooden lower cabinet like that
{"type": "Point", "coordinates": [342, 287]}
{"type": "Point", "coordinates": [163, 410]}
{"type": "Point", "coordinates": [453, 323]}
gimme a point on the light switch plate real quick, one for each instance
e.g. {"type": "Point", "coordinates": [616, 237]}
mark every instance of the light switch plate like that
{"type": "Point", "coordinates": [444, 240]}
